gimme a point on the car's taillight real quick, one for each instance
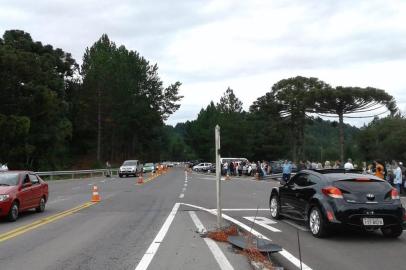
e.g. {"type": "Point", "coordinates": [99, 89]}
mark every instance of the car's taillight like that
{"type": "Point", "coordinates": [394, 194]}
{"type": "Point", "coordinates": [333, 192]}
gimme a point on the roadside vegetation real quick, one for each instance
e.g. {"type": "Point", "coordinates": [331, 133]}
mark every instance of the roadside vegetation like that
{"type": "Point", "coordinates": [55, 114]}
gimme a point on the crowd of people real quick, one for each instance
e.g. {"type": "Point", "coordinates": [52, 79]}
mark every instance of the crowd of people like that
{"type": "Point", "coordinates": [239, 168]}
{"type": "Point", "coordinates": [394, 172]}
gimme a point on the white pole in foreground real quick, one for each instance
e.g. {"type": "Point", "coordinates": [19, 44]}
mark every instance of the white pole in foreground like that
{"type": "Point", "coordinates": [218, 175]}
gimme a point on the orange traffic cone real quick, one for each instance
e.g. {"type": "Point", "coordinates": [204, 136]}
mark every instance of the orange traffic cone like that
{"type": "Point", "coordinates": [140, 179]}
{"type": "Point", "coordinates": [95, 195]}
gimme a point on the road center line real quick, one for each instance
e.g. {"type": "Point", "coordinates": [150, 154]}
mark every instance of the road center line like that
{"type": "Point", "coordinates": [214, 248]}
{"type": "Point", "coordinates": [43, 221]}
{"type": "Point", "coordinates": [153, 248]}
{"type": "Point", "coordinates": [295, 261]}
{"type": "Point", "coordinates": [181, 196]}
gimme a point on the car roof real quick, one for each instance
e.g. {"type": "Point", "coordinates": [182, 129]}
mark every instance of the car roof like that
{"type": "Point", "coordinates": [341, 174]}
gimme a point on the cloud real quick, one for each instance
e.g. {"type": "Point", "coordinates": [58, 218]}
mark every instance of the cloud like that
{"type": "Point", "coordinates": [247, 45]}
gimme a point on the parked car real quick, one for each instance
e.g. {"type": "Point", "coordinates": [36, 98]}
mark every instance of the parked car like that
{"type": "Point", "coordinates": [21, 191]}
{"type": "Point", "coordinates": [202, 167]}
{"type": "Point", "coordinates": [148, 167]}
{"type": "Point", "coordinates": [129, 167]}
{"type": "Point", "coordinates": [331, 198]}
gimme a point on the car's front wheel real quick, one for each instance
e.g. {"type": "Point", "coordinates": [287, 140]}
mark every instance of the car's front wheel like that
{"type": "Point", "coordinates": [392, 231]}
{"type": "Point", "coordinates": [13, 213]}
{"type": "Point", "coordinates": [275, 207]}
{"type": "Point", "coordinates": [317, 223]}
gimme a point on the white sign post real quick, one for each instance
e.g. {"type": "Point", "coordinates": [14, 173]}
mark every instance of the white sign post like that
{"type": "Point", "coordinates": [218, 175]}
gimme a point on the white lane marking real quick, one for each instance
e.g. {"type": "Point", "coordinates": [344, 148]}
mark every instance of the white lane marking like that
{"type": "Point", "coordinates": [181, 196]}
{"type": "Point", "coordinates": [295, 261]}
{"type": "Point", "coordinates": [264, 222]}
{"type": "Point", "coordinates": [214, 248]}
{"type": "Point", "coordinates": [183, 189]}
{"type": "Point", "coordinates": [302, 228]}
{"type": "Point", "coordinates": [153, 248]}
{"type": "Point", "coordinates": [103, 181]}
{"type": "Point", "coordinates": [243, 209]}
{"type": "Point", "coordinates": [185, 185]}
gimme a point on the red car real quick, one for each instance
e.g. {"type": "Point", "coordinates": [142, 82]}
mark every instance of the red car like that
{"type": "Point", "coordinates": [20, 191]}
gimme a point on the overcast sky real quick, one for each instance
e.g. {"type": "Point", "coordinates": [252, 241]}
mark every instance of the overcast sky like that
{"type": "Point", "coordinates": [247, 45]}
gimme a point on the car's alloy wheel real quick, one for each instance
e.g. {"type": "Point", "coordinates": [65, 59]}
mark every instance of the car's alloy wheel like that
{"type": "Point", "coordinates": [274, 207]}
{"type": "Point", "coordinates": [13, 214]}
{"type": "Point", "coordinates": [314, 221]}
{"type": "Point", "coordinates": [317, 224]}
{"type": "Point", "coordinates": [41, 206]}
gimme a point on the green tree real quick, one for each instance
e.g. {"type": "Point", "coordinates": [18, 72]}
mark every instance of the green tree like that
{"type": "Point", "coordinates": [347, 101]}
{"type": "Point", "coordinates": [384, 139]}
{"type": "Point", "coordinates": [268, 132]}
{"type": "Point", "coordinates": [295, 97]}
{"type": "Point", "coordinates": [123, 103]}
{"type": "Point", "coordinates": [33, 78]}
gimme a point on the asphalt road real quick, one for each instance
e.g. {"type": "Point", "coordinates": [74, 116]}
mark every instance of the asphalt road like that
{"type": "Point", "coordinates": [153, 226]}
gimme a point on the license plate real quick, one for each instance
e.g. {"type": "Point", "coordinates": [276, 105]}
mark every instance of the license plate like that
{"type": "Point", "coordinates": [372, 221]}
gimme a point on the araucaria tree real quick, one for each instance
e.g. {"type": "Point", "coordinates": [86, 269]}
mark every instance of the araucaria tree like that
{"type": "Point", "coordinates": [348, 101]}
{"type": "Point", "coordinates": [295, 98]}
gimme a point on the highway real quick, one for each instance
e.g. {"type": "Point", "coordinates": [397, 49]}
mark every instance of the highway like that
{"type": "Point", "coordinates": [153, 226]}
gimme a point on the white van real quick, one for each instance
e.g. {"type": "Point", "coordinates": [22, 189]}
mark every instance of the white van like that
{"type": "Point", "coordinates": [228, 160]}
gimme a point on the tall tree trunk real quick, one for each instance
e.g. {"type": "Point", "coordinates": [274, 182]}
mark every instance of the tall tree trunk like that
{"type": "Point", "coordinates": [98, 125]}
{"type": "Point", "coordinates": [341, 129]}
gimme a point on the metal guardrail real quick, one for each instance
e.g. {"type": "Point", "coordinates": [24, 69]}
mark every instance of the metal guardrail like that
{"type": "Point", "coordinates": [91, 173]}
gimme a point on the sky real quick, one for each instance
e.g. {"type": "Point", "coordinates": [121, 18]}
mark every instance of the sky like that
{"type": "Point", "coordinates": [246, 45]}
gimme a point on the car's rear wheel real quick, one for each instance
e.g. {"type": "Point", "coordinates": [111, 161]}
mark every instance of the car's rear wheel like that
{"type": "Point", "coordinates": [275, 207]}
{"type": "Point", "coordinates": [317, 223]}
{"type": "Point", "coordinates": [41, 206]}
{"type": "Point", "coordinates": [120, 175]}
{"type": "Point", "coordinates": [13, 213]}
{"type": "Point", "coordinates": [392, 231]}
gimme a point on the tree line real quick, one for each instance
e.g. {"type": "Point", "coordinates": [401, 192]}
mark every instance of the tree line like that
{"type": "Point", "coordinates": [55, 114]}
{"type": "Point", "coordinates": [286, 123]}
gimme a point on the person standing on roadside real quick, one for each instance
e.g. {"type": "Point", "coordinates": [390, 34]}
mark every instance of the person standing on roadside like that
{"type": "Point", "coordinates": [108, 168]}
{"type": "Point", "coordinates": [286, 170]}
{"type": "Point", "coordinates": [379, 170]}
{"type": "Point", "coordinates": [349, 165]}
{"type": "Point", "coordinates": [403, 169]}
{"type": "Point", "coordinates": [397, 180]}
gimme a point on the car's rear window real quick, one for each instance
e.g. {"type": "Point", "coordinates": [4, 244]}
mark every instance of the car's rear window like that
{"type": "Point", "coordinates": [361, 185]}
{"type": "Point", "coordinates": [8, 179]}
{"type": "Point", "coordinates": [149, 164]}
{"type": "Point", "coordinates": [130, 163]}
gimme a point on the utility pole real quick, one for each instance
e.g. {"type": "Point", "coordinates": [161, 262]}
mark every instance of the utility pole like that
{"type": "Point", "coordinates": [218, 174]}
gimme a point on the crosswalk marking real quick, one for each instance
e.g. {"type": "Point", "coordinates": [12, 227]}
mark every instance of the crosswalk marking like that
{"type": "Point", "coordinates": [264, 222]}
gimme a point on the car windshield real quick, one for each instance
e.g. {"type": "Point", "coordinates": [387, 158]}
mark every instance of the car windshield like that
{"type": "Point", "coordinates": [149, 164]}
{"type": "Point", "coordinates": [130, 163]}
{"type": "Point", "coordinates": [8, 179]}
